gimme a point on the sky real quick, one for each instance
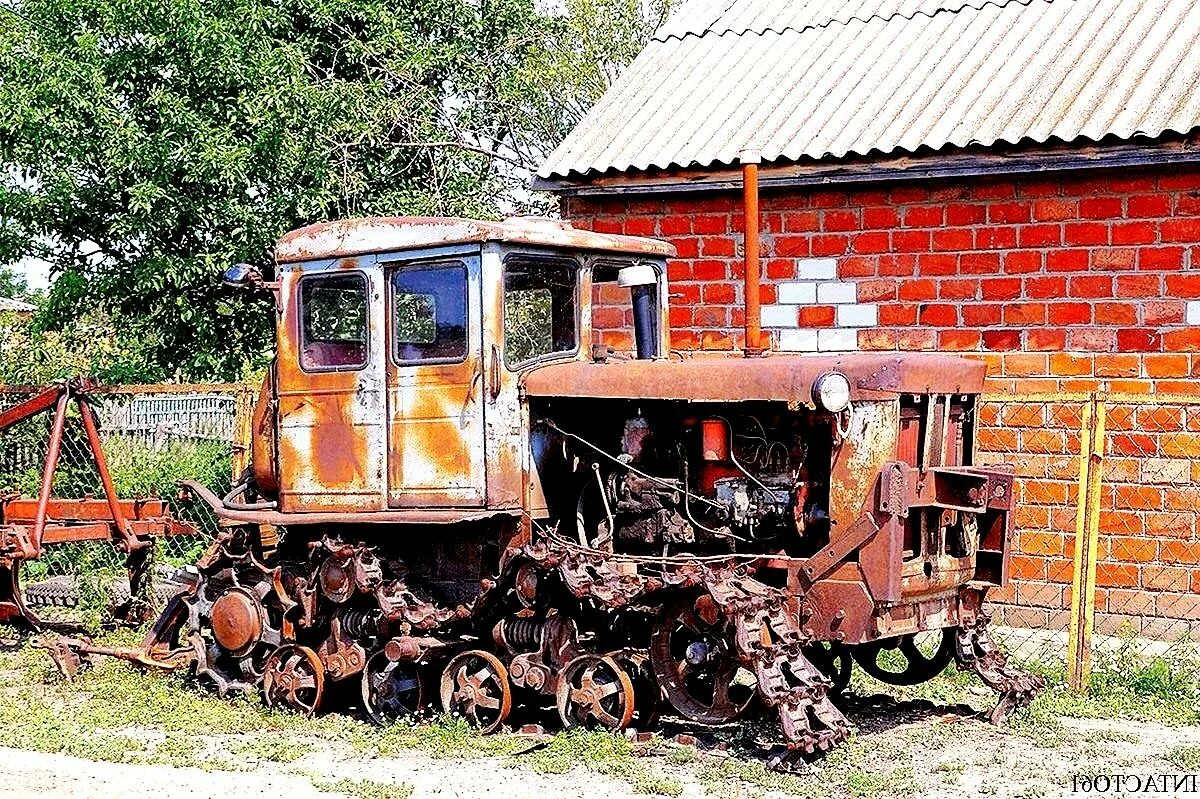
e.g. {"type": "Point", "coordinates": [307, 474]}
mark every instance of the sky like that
{"type": "Point", "coordinates": [37, 273]}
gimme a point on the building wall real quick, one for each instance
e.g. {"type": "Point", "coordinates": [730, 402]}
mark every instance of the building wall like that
{"type": "Point", "coordinates": [1071, 283]}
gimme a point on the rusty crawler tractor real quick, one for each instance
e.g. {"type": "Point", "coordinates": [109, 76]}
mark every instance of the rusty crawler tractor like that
{"type": "Point", "coordinates": [453, 501]}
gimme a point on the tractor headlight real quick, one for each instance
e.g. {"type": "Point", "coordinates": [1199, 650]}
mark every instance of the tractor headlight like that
{"type": "Point", "coordinates": [831, 392]}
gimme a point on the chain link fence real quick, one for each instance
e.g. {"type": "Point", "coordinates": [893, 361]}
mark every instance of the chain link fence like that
{"type": "Point", "coordinates": [153, 437]}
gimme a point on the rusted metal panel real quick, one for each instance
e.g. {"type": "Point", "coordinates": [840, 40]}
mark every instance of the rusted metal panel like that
{"type": "Point", "coordinates": [781, 378]}
{"type": "Point", "coordinates": [332, 433]}
{"type": "Point", "coordinates": [436, 409]}
{"type": "Point", "coordinates": [351, 237]}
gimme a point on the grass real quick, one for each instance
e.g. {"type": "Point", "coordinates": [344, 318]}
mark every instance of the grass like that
{"type": "Point", "coordinates": [364, 789]}
{"type": "Point", "coordinates": [1186, 758]}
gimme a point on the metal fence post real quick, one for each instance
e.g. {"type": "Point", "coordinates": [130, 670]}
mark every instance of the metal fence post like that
{"type": "Point", "coordinates": [243, 424]}
{"type": "Point", "coordinates": [1087, 536]}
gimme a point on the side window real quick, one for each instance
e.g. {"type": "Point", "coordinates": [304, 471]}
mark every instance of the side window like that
{"type": "Point", "coordinates": [333, 330]}
{"type": "Point", "coordinates": [540, 315]}
{"type": "Point", "coordinates": [429, 312]}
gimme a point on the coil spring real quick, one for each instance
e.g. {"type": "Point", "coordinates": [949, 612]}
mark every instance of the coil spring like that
{"type": "Point", "coordinates": [522, 634]}
{"type": "Point", "coordinates": [360, 623]}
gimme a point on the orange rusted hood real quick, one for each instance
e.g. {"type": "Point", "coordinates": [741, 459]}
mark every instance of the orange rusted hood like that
{"type": "Point", "coordinates": [785, 378]}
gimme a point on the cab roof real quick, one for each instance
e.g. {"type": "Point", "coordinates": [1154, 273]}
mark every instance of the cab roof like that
{"type": "Point", "coordinates": [349, 237]}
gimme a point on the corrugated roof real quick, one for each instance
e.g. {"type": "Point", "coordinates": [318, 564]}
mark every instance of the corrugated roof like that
{"type": "Point", "coordinates": [821, 79]}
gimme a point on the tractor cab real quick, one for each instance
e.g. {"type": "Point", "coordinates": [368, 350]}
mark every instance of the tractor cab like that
{"type": "Point", "coordinates": [400, 344]}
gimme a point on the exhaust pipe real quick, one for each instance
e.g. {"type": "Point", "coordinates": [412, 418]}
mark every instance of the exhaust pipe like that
{"type": "Point", "coordinates": [750, 218]}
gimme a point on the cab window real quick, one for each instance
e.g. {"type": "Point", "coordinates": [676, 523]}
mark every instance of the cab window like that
{"type": "Point", "coordinates": [333, 312]}
{"type": "Point", "coordinates": [540, 307]}
{"type": "Point", "coordinates": [429, 313]}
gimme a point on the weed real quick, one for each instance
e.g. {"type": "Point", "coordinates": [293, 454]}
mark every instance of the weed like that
{"type": "Point", "coordinates": [1184, 757]}
{"type": "Point", "coordinates": [364, 789]}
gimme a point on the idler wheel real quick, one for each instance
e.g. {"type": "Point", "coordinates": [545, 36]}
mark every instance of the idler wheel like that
{"type": "Point", "coordinates": [834, 661]}
{"type": "Point", "coordinates": [237, 621]}
{"type": "Point", "coordinates": [294, 679]}
{"type": "Point", "coordinates": [921, 660]}
{"type": "Point", "coordinates": [693, 658]}
{"type": "Point", "coordinates": [594, 691]}
{"type": "Point", "coordinates": [391, 689]}
{"type": "Point", "coordinates": [475, 685]}
{"type": "Point", "coordinates": [646, 693]}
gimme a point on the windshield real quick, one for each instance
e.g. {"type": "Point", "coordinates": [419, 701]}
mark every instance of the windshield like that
{"type": "Point", "coordinates": [540, 307]}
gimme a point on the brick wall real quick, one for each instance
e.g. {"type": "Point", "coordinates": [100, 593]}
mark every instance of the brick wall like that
{"type": "Point", "coordinates": [1070, 283]}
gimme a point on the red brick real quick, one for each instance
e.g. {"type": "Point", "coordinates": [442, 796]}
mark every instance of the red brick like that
{"type": "Point", "coordinates": [1067, 260]}
{"type": "Point", "coordinates": [871, 242]}
{"type": "Point", "coordinates": [780, 268]}
{"type": "Point", "coordinates": [1077, 234]}
{"type": "Point", "coordinates": [1183, 285]}
{"type": "Point", "coordinates": [995, 237]}
{"type": "Point", "coordinates": [910, 241]}
{"type": "Point", "coordinates": [876, 290]}
{"type": "Point", "coordinates": [958, 289]}
{"type": "Point", "coordinates": [1092, 339]}
{"type": "Point", "coordinates": [1054, 210]}
{"type": "Point", "coordinates": [937, 264]}
{"type": "Point", "coordinates": [606, 225]}
{"type": "Point", "coordinates": [959, 340]}
{"type": "Point", "coordinates": [792, 246]}
{"type": "Point", "coordinates": [1135, 444]}
{"type": "Point", "coordinates": [1181, 230]}
{"type": "Point", "coordinates": [979, 263]}
{"type": "Point", "coordinates": [965, 214]}
{"type": "Point", "coordinates": [1116, 575]}
{"type": "Point", "coordinates": [1166, 365]}
{"type": "Point", "coordinates": [1113, 365]}
{"type": "Point", "coordinates": [1009, 212]}
{"type": "Point", "coordinates": [1160, 258]}
{"type": "Point", "coordinates": [1149, 205]}
{"type": "Point", "coordinates": [1131, 549]}
{"type": "Point", "coordinates": [938, 315]}
{"type": "Point", "coordinates": [674, 225]}
{"type": "Point", "coordinates": [1026, 567]}
{"type": "Point", "coordinates": [1134, 233]}
{"type": "Point", "coordinates": [817, 316]}
{"type": "Point", "coordinates": [1039, 339]}
{"type": "Point", "coordinates": [1069, 313]}
{"type": "Point", "coordinates": [801, 221]}
{"type": "Point", "coordinates": [710, 270]}
{"type": "Point", "coordinates": [720, 293]}
{"type": "Point", "coordinates": [1068, 364]}
{"type": "Point", "coordinates": [1021, 314]}
{"type": "Point", "coordinates": [830, 244]}
{"type": "Point", "coordinates": [1138, 286]}
{"type": "Point", "coordinates": [716, 247]}
{"type": "Point", "coordinates": [1132, 182]}
{"type": "Point", "coordinates": [952, 239]}
{"type": "Point", "coordinates": [1045, 287]}
{"type": "Point", "coordinates": [706, 224]}
{"type": "Point", "coordinates": [978, 315]}
{"type": "Point", "coordinates": [924, 216]}
{"type": "Point", "coordinates": [839, 220]}
{"type": "Point", "coordinates": [1100, 208]}
{"type": "Point", "coordinates": [1002, 340]}
{"type": "Point", "coordinates": [858, 266]}
{"type": "Point", "coordinates": [687, 248]}
{"type": "Point", "coordinates": [1114, 258]}
{"type": "Point", "coordinates": [1115, 313]}
{"type": "Point", "coordinates": [1091, 286]}
{"type": "Point", "coordinates": [880, 217]}
{"type": "Point", "coordinates": [923, 289]}
{"type": "Point", "coordinates": [916, 339]}
{"type": "Point", "coordinates": [1001, 288]}
{"type": "Point", "coordinates": [1136, 339]}
{"type": "Point", "coordinates": [1022, 262]}
{"type": "Point", "coordinates": [1039, 235]}
{"type": "Point", "coordinates": [876, 338]}
{"type": "Point", "coordinates": [898, 314]}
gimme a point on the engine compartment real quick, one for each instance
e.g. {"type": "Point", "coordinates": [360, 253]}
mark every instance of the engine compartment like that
{"type": "Point", "coordinates": [663, 477]}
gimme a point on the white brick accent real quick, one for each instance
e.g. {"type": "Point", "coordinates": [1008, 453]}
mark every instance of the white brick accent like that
{"type": "Point", "coordinates": [858, 315]}
{"type": "Point", "coordinates": [798, 340]}
{"type": "Point", "coordinates": [837, 340]}
{"type": "Point", "coordinates": [798, 293]}
{"type": "Point", "coordinates": [779, 316]}
{"type": "Point", "coordinates": [832, 293]}
{"type": "Point", "coordinates": [816, 269]}
{"type": "Point", "coordinates": [1193, 312]}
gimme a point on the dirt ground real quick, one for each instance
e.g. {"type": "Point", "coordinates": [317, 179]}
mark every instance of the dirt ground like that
{"type": "Point", "coordinates": [904, 748]}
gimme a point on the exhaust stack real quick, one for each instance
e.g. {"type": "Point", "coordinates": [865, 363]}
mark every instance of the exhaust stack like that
{"type": "Point", "coordinates": [753, 275]}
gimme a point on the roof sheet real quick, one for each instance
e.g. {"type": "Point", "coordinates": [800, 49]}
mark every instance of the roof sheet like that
{"type": "Point", "coordinates": [826, 79]}
{"type": "Point", "coordinates": [349, 237]}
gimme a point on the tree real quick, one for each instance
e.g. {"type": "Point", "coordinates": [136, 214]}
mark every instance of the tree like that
{"type": "Point", "coordinates": [147, 145]}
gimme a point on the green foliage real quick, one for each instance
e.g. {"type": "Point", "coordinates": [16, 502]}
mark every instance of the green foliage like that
{"type": "Point", "coordinates": [146, 146]}
{"type": "Point", "coordinates": [364, 789]}
{"type": "Point", "coordinates": [1184, 757]}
